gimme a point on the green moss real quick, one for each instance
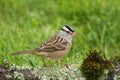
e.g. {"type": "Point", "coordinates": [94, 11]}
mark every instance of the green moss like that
{"type": "Point", "coordinates": [6, 64]}
{"type": "Point", "coordinates": [8, 76]}
{"type": "Point", "coordinates": [116, 59]}
{"type": "Point", "coordinates": [94, 65]}
{"type": "Point", "coordinates": [19, 76]}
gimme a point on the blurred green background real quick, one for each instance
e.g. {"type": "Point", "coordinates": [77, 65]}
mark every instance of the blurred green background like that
{"type": "Point", "coordinates": [25, 24]}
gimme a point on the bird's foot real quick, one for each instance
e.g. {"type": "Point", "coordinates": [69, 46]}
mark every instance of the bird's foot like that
{"type": "Point", "coordinates": [66, 65]}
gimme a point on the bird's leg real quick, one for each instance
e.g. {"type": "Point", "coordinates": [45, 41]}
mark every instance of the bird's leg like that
{"type": "Point", "coordinates": [66, 65]}
{"type": "Point", "coordinates": [57, 62]}
{"type": "Point", "coordinates": [63, 63]}
{"type": "Point", "coordinates": [44, 62]}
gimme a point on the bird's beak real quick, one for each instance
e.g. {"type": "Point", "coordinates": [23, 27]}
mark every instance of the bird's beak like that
{"type": "Point", "coordinates": [73, 34]}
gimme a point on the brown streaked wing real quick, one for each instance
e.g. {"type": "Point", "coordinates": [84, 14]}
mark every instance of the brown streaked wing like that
{"type": "Point", "coordinates": [55, 44]}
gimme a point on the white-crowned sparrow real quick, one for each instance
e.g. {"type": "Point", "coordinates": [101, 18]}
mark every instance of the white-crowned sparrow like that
{"type": "Point", "coordinates": [55, 48]}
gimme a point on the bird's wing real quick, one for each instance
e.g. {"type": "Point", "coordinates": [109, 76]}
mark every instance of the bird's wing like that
{"type": "Point", "coordinates": [54, 44]}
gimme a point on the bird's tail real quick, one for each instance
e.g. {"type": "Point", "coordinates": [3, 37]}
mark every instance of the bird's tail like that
{"type": "Point", "coordinates": [24, 52]}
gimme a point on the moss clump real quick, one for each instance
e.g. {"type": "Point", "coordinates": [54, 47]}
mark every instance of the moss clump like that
{"type": "Point", "coordinates": [94, 65]}
{"type": "Point", "coordinates": [116, 59]}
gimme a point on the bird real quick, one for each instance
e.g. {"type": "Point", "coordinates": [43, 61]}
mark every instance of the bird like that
{"type": "Point", "coordinates": [54, 48]}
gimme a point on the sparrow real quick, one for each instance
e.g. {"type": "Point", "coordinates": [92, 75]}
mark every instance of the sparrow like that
{"type": "Point", "coordinates": [56, 47]}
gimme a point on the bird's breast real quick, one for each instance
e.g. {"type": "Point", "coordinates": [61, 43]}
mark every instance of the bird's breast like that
{"type": "Point", "coordinates": [59, 54]}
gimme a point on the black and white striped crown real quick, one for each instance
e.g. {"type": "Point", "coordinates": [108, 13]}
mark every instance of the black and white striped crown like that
{"type": "Point", "coordinates": [67, 29]}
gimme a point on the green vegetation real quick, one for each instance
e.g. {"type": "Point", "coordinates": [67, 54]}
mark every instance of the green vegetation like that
{"type": "Point", "coordinates": [24, 24]}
